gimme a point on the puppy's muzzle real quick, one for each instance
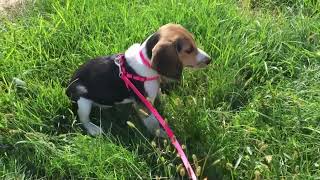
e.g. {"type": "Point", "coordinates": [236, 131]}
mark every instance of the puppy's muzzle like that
{"type": "Point", "coordinates": [203, 59]}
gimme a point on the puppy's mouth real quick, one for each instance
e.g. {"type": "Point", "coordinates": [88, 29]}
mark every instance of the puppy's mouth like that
{"type": "Point", "coordinates": [202, 65]}
{"type": "Point", "coordinates": [198, 66]}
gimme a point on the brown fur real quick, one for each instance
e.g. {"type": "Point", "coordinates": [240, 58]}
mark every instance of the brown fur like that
{"type": "Point", "coordinates": [166, 60]}
{"type": "Point", "coordinates": [175, 49]}
{"type": "Point", "coordinates": [174, 33]}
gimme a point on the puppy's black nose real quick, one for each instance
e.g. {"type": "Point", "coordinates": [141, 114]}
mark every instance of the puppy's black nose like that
{"type": "Point", "coordinates": [208, 61]}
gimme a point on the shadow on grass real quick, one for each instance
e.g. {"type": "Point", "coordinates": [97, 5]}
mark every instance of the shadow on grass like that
{"type": "Point", "coordinates": [114, 123]}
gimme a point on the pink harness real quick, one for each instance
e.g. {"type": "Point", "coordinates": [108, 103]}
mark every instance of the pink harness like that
{"type": "Point", "coordinates": [123, 71]}
{"type": "Point", "coordinates": [125, 77]}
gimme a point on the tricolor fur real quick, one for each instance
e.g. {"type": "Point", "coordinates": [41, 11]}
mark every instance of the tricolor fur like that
{"type": "Point", "coordinates": [97, 81]}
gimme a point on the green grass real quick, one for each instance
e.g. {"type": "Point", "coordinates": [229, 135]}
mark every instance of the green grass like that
{"type": "Point", "coordinates": [254, 113]}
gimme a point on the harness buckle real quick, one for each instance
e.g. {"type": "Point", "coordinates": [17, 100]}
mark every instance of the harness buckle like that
{"type": "Point", "coordinates": [119, 61]}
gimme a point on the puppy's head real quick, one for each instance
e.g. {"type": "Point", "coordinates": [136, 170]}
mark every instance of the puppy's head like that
{"type": "Point", "coordinates": [172, 48]}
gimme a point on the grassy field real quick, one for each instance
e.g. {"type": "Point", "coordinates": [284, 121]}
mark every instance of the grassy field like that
{"type": "Point", "coordinates": [252, 114]}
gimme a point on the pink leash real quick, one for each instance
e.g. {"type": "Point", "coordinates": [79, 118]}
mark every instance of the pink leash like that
{"type": "Point", "coordinates": [163, 123]}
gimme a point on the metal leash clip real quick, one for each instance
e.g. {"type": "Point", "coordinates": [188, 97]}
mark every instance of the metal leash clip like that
{"type": "Point", "coordinates": [117, 61]}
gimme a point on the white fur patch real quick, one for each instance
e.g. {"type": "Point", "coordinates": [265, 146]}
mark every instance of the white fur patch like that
{"type": "Point", "coordinates": [125, 101]}
{"type": "Point", "coordinates": [134, 60]}
{"type": "Point", "coordinates": [93, 129]}
{"type": "Point", "coordinates": [82, 89]}
{"type": "Point", "coordinates": [84, 109]}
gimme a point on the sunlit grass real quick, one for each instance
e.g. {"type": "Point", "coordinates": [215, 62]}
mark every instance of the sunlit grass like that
{"type": "Point", "coordinates": [254, 113]}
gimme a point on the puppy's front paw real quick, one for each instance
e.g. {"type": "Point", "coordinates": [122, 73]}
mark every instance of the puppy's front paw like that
{"type": "Point", "coordinates": [153, 126]}
{"type": "Point", "coordinates": [160, 133]}
{"type": "Point", "coordinates": [93, 129]}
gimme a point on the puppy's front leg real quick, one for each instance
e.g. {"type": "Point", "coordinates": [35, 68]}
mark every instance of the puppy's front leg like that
{"type": "Point", "coordinates": [149, 120]}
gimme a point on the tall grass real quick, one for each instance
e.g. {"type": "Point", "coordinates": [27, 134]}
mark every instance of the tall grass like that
{"type": "Point", "coordinates": [254, 113]}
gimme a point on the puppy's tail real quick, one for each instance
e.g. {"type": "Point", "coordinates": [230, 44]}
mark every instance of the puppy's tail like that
{"type": "Point", "coordinates": [75, 90]}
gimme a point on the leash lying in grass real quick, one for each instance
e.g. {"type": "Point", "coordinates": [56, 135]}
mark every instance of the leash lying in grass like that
{"type": "Point", "coordinates": [163, 123]}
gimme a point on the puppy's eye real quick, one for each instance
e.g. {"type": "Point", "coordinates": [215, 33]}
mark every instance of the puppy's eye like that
{"type": "Point", "coordinates": [190, 50]}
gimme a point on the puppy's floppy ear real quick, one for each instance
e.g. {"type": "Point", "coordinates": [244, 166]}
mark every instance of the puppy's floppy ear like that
{"type": "Point", "coordinates": [165, 59]}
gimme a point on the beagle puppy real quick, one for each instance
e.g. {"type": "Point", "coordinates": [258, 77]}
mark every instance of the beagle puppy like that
{"type": "Point", "coordinates": [165, 53]}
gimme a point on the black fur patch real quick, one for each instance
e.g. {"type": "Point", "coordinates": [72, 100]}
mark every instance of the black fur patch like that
{"type": "Point", "coordinates": [152, 41]}
{"type": "Point", "coordinates": [100, 77]}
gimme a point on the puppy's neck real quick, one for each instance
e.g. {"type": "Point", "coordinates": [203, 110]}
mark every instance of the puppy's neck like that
{"type": "Point", "coordinates": [134, 60]}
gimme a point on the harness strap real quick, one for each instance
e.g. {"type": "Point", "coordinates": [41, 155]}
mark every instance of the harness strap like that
{"type": "Point", "coordinates": [123, 71]}
{"type": "Point", "coordinates": [144, 60]}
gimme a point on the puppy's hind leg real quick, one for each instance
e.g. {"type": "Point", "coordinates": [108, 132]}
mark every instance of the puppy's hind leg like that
{"type": "Point", "coordinates": [84, 109]}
